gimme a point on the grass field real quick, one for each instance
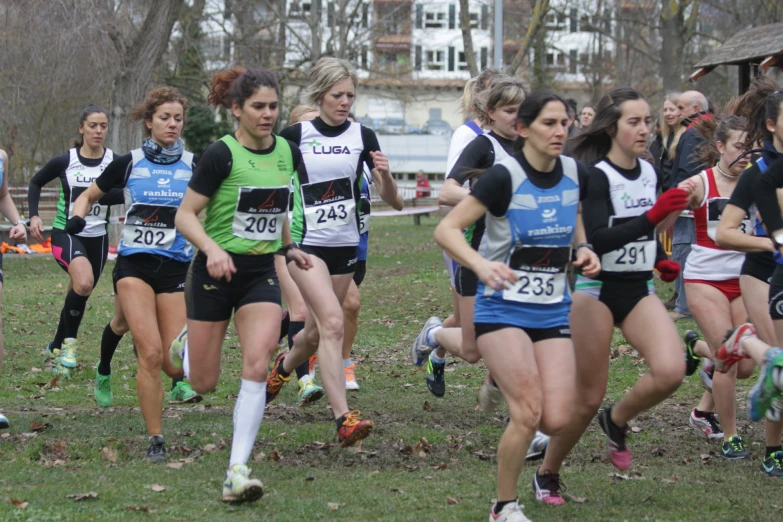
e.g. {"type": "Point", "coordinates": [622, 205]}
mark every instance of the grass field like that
{"type": "Point", "coordinates": [60, 443]}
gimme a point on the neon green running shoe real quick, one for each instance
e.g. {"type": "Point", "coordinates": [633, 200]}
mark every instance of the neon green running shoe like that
{"type": "Point", "coordinates": [102, 390]}
{"type": "Point", "coordinates": [176, 349]}
{"type": "Point", "coordinates": [309, 392]}
{"type": "Point", "coordinates": [183, 393]}
{"type": "Point", "coordinates": [57, 367]}
{"type": "Point", "coordinates": [68, 353]}
{"type": "Point", "coordinates": [765, 391]}
{"type": "Point", "coordinates": [239, 487]}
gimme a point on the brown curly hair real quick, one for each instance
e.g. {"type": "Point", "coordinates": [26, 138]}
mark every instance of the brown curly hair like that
{"type": "Point", "coordinates": [154, 99]}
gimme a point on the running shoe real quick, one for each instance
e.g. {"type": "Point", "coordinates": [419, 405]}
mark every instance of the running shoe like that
{"type": "Point", "coordinates": [768, 387]}
{"type": "Point", "coordinates": [350, 378]}
{"type": "Point", "coordinates": [177, 348]}
{"type": "Point", "coordinates": [311, 365]}
{"type": "Point", "coordinates": [309, 392]}
{"type": "Point", "coordinates": [706, 372]}
{"type": "Point", "coordinates": [57, 367]}
{"type": "Point", "coordinates": [731, 350]}
{"type": "Point", "coordinates": [3, 422]}
{"type": "Point", "coordinates": [489, 395]}
{"type": "Point", "coordinates": [68, 353]}
{"type": "Point", "coordinates": [420, 348]}
{"type": "Point", "coordinates": [156, 452]}
{"type": "Point", "coordinates": [511, 512]}
{"type": "Point", "coordinates": [239, 487]}
{"type": "Point", "coordinates": [772, 465]}
{"type": "Point", "coordinates": [734, 449]}
{"type": "Point", "coordinates": [538, 446]}
{"type": "Point", "coordinates": [275, 381]}
{"type": "Point", "coordinates": [547, 487]}
{"type": "Point", "coordinates": [691, 359]}
{"type": "Point", "coordinates": [183, 393]}
{"type": "Point", "coordinates": [353, 429]}
{"type": "Point", "coordinates": [707, 423]}
{"type": "Point", "coordinates": [436, 377]}
{"type": "Point", "coordinates": [619, 453]}
{"type": "Point", "coordinates": [102, 390]}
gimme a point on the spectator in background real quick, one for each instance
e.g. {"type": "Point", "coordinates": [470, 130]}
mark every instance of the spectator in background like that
{"type": "Point", "coordinates": [586, 116]}
{"type": "Point", "coordinates": [669, 137]}
{"type": "Point", "coordinates": [693, 107]}
{"type": "Point", "coordinates": [573, 128]}
{"type": "Point", "coordinates": [422, 185]}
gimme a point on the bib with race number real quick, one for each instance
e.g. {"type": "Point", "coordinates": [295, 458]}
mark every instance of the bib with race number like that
{"type": "Point", "coordinates": [260, 213]}
{"type": "Point", "coordinates": [715, 207]}
{"type": "Point", "coordinates": [97, 212]}
{"type": "Point", "coordinates": [636, 256]}
{"type": "Point", "coordinates": [364, 215]}
{"type": "Point", "coordinates": [541, 275]}
{"type": "Point", "coordinates": [328, 204]}
{"type": "Point", "coordinates": [150, 226]}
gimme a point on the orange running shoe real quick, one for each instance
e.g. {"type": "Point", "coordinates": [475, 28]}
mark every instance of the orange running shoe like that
{"type": "Point", "coordinates": [350, 378]}
{"type": "Point", "coordinates": [275, 381]}
{"type": "Point", "coordinates": [353, 429]}
{"type": "Point", "coordinates": [311, 367]}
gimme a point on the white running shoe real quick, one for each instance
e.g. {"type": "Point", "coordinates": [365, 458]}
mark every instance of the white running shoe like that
{"type": "Point", "coordinates": [537, 446]}
{"type": "Point", "coordinates": [511, 512]}
{"type": "Point", "coordinates": [3, 422]}
{"type": "Point", "coordinates": [420, 349]}
{"type": "Point", "coordinates": [239, 487]}
{"type": "Point", "coordinates": [705, 373]}
{"type": "Point", "coordinates": [489, 396]}
{"type": "Point", "coordinates": [350, 378]}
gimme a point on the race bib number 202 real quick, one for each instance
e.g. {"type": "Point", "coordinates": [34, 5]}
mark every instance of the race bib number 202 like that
{"type": "Point", "coordinates": [150, 226]}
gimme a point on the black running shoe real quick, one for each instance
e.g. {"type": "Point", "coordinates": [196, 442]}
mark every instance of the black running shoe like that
{"type": "Point", "coordinates": [773, 464]}
{"type": "Point", "coordinates": [436, 378]}
{"type": "Point", "coordinates": [619, 453]}
{"type": "Point", "coordinates": [156, 452]}
{"type": "Point", "coordinates": [691, 359]}
{"type": "Point", "coordinates": [734, 449]}
{"type": "Point", "coordinates": [548, 488]}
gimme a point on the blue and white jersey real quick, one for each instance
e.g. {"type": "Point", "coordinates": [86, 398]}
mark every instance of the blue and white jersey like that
{"type": "Point", "coordinates": [153, 192]}
{"type": "Point", "coordinates": [364, 215]}
{"type": "Point", "coordinates": [534, 238]}
{"type": "Point", "coordinates": [2, 171]}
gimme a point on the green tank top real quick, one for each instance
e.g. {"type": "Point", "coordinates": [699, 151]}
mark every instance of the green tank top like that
{"type": "Point", "coordinates": [246, 214]}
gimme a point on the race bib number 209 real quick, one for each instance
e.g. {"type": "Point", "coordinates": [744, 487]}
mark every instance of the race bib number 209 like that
{"type": "Point", "coordinates": [260, 213]}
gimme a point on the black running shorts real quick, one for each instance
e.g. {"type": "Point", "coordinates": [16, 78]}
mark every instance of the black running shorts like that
{"type": "Point", "coordinates": [465, 282]}
{"type": "Point", "coordinates": [776, 294]}
{"type": "Point", "coordinates": [163, 274]}
{"type": "Point", "coordinates": [536, 334]}
{"type": "Point", "coordinates": [759, 265]}
{"type": "Point", "coordinates": [66, 248]}
{"type": "Point", "coordinates": [339, 260]}
{"type": "Point", "coordinates": [361, 271]}
{"type": "Point", "coordinates": [214, 300]}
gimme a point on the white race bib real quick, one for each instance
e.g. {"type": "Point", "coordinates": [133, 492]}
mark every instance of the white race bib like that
{"type": "Point", "coordinates": [98, 213]}
{"type": "Point", "coordinates": [541, 275]}
{"type": "Point", "coordinates": [329, 204]}
{"type": "Point", "coordinates": [636, 256]}
{"type": "Point", "coordinates": [260, 212]}
{"type": "Point", "coordinates": [364, 215]}
{"type": "Point", "coordinates": [715, 209]}
{"type": "Point", "coordinates": [150, 226]}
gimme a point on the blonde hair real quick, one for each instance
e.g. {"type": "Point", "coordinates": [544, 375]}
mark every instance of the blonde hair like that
{"type": "Point", "coordinates": [475, 86]}
{"type": "Point", "coordinates": [299, 111]}
{"type": "Point", "coordinates": [504, 90]}
{"type": "Point", "coordinates": [667, 130]}
{"type": "Point", "coordinates": [323, 75]}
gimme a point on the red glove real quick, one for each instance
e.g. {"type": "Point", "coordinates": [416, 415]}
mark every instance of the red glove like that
{"type": "Point", "coordinates": [669, 270]}
{"type": "Point", "coordinates": [673, 200]}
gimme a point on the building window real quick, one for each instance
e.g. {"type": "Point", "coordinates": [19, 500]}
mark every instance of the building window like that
{"type": "Point", "coordinates": [452, 16]}
{"type": "Point", "coordinates": [436, 60]}
{"type": "Point", "coordinates": [572, 26]}
{"type": "Point", "coordinates": [330, 15]}
{"type": "Point", "coordinates": [417, 58]}
{"type": "Point", "coordinates": [451, 59]}
{"type": "Point", "coordinates": [462, 62]}
{"type": "Point", "coordinates": [419, 16]}
{"type": "Point", "coordinates": [365, 15]}
{"type": "Point", "coordinates": [484, 58]}
{"type": "Point", "coordinates": [560, 60]}
{"type": "Point", "coordinates": [573, 59]}
{"type": "Point", "coordinates": [484, 17]}
{"type": "Point", "coordinates": [434, 20]}
{"type": "Point", "coordinates": [364, 57]}
{"type": "Point", "coordinates": [550, 59]}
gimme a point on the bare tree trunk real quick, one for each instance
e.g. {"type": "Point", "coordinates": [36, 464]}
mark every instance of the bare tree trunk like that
{"type": "Point", "coordinates": [672, 43]}
{"type": "Point", "coordinates": [535, 31]}
{"type": "Point", "coordinates": [138, 61]}
{"type": "Point", "coordinates": [467, 37]}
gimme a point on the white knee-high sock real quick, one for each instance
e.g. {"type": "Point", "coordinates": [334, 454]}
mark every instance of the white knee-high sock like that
{"type": "Point", "coordinates": [185, 359]}
{"type": "Point", "coordinates": [248, 412]}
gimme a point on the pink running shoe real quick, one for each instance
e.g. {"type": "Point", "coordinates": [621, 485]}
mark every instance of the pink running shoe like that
{"type": "Point", "coordinates": [731, 350]}
{"type": "Point", "coordinates": [547, 488]}
{"type": "Point", "coordinates": [619, 453]}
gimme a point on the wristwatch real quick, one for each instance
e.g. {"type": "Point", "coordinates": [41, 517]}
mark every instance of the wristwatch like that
{"type": "Point", "coordinates": [586, 245]}
{"type": "Point", "coordinates": [286, 248]}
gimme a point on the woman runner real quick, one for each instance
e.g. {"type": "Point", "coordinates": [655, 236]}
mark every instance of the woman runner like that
{"type": "Point", "coordinates": [621, 215]}
{"type": "Point", "coordinates": [325, 223]}
{"type": "Point", "coordinates": [243, 182]}
{"type": "Point", "coordinates": [18, 232]}
{"type": "Point", "coordinates": [712, 277]}
{"type": "Point", "coordinates": [153, 258]}
{"type": "Point", "coordinates": [82, 256]}
{"type": "Point", "coordinates": [531, 203]}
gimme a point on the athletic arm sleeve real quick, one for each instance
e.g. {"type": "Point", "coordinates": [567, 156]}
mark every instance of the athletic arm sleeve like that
{"type": "Point", "coordinates": [583, 174]}
{"type": "Point", "coordinates": [660, 253]}
{"type": "Point", "coordinates": [50, 172]}
{"type": "Point", "coordinates": [115, 174]}
{"type": "Point", "coordinates": [479, 154]}
{"type": "Point", "coordinates": [596, 212]}
{"type": "Point", "coordinates": [371, 144]}
{"type": "Point", "coordinates": [213, 167]}
{"type": "Point", "coordinates": [292, 133]}
{"type": "Point", "coordinates": [493, 189]}
{"type": "Point", "coordinates": [299, 164]}
{"type": "Point", "coordinates": [115, 196]}
{"type": "Point", "coordinates": [766, 196]}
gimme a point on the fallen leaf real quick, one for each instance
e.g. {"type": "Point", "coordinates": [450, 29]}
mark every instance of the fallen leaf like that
{"type": "Point", "coordinates": [275, 456]}
{"type": "Point", "coordinates": [334, 506]}
{"type": "Point", "coordinates": [451, 500]}
{"type": "Point", "coordinates": [310, 479]}
{"type": "Point", "coordinates": [395, 490]}
{"type": "Point", "coordinates": [636, 475]}
{"type": "Point", "coordinates": [82, 496]}
{"type": "Point", "coordinates": [143, 509]}
{"type": "Point", "coordinates": [618, 476]}
{"type": "Point", "coordinates": [35, 370]}
{"type": "Point", "coordinates": [442, 465]}
{"type": "Point", "coordinates": [175, 465]}
{"type": "Point", "coordinates": [157, 488]}
{"type": "Point", "coordinates": [259, 456]}
{"type": "Point", "coordinates": [19, 504]}
{"type": "Point", "coordinates": [209, 448]}
{"type": "Point", "coordinates": [407, 450]}
{"type": "Point", "coordinates": [636, 429]}
{"type": "Point", "coordinates": [36, 426]}
{"type": "Point", "coordinates": [576, 500]}
{"type": "Point", "coordinates": [670, 480]}
{"type": "Point", "coordinates": [427, 406]}
{"type": "Point", "coordinates": [109, 454]}
{"type": "Point", "coordinates": [658, 452]}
